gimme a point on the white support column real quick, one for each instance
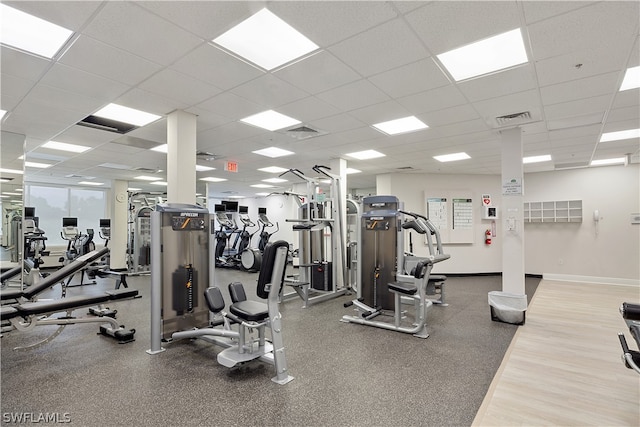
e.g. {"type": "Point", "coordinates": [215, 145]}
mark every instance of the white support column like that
{"type": "Point", "coordinates": [119, 225]}
{"type": "Point", "coordinates": [339, 167]}
{"type": "Point", "coordinates": [181, 157]}
{"type": "Point", "coordinates": [512, 212]}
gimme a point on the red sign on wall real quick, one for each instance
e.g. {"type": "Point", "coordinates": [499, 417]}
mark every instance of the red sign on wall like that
{"type": "Point", "coordinates": [231, 166]}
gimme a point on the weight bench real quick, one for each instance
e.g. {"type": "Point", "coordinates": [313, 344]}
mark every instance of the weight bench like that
{"type": "Point", "coordinates": [28, 315]}
{"type": "Point", "coordinates": [52, 279]}
{"type": "Point", "coordinates": [631, 315]}
{"type": "Point", "coordinates": [9, 274]}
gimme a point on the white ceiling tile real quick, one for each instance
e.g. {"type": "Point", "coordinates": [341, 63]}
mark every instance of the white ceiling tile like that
{"type": "Point", "coordinates": [382, 112]}
{"type": "Point", "coordinates": [585, 29]}
{"type": "Point", "coordinates": [212, 65]}
{"type": "Point", "coordinates": [58, 98]}
{"type": "Point", "coordinates": [354, 95]}
{"type": "Point", "coordinates": [79, 81]}
{"type": "Point", "coordinates": [508, 104]}
{"type": "Point", "coordinates": [173, 85]}
{"type": "Point", "coordinates": [19, 64]}
{"type": "Point", "coordinates": [14, 87]}
{"type": "Point", "coordinates": [268, 91]}
{"type": "Point", "coordinates": [380, 49]}
{"type": "Point", "coordinates": [590, 131]}
{"type": "Point", "coordinates": [412, 78]}
{"type": "Point", "coordinates": [42, 121]}
{"type": "Point", "coordinates": [581, 107]}
{"type": "Point", "coordinates": [517, 79]}
{"type": "Point", "coordinates": [308, 109]}
{"type": "Point", "coordinates": [328, 23]}
{"type": "Point", "coordinates": [149, 102]}
{"type": "Point", "coordinates": [95, 57]}
{"type": "Point", "coordinates": [328, 72]}
{"type": "Point", "coordinates": [444, 25]}
{"type": "Point", "coordinates": [632, 123]}
{"type": "Point", "coordinates": [230, 105]}
{"type": "Point", "coordinates": [627, 98]}
{"type": "Point", "coordinates": [338, 123]}
{"type": "Point", "coordinates": [580, 88]}
{"type": "Point", "coordinates": [140, 32]}
{"type": "Point", "coordinates": [207, 19]}
{"type": "Point", "coordinates": [432, 100]}
{"type": "Point", "coordinates": [538, 10]}
{"type": "Point", "coordinates": [579, 64]}
{"type": "Point", "coordinates": [624, 114]}
{"type": "Point", "coordinates": [451, 115]}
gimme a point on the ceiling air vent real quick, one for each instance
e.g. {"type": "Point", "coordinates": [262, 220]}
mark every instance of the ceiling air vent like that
{"type": "Point", "coordinates": [405, 168]}
{"type": "Point", "coordinates": [146, 170]}
{"type": "Point", "coordinates": [513, 119]}
{"type": "Point", "coordinates": [106, 124]}
{"type": "Point", "coordinates": [204, 155]}
{"type": "Point", "coordinates": [303, 132]}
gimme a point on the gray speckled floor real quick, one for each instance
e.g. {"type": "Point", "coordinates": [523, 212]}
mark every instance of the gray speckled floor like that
{"type": "Point", "coordinates": [345, 374]}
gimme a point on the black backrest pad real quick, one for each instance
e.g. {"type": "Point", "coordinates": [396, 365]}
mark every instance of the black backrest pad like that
{"type": "Point", "coordinates": [236, 292]}
{"type": "Point", "coordinates": [214, 299]}
{"type": "Point", "coordinates": [54, 278]}
{"type": "Point", "coordinates": [266, 269]}
{"type": "Point", "coordinates": [418, 272]}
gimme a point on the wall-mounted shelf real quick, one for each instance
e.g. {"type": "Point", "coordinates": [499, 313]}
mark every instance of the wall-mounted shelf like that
{"type": "Point", "coordinates": [557, 211]}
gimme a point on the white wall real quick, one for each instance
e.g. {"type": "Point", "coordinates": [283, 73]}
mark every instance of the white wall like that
{"type": "Point", "coordinates": [562, 248]}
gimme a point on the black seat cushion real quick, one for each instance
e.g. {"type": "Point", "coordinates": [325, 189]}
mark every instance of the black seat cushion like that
{"type": "Point", "coordinates": [13, 293]}
{"type": "Point", "coordinates": [630, 311]}
{"type": "Point", "coordinates": [8, 312]}
{"type": "Point", "coordinates": [122, 293]}
{"type": "Point", "coordinates": [252, 311]}
{"type": "Point", "coordinates": [403, 288]}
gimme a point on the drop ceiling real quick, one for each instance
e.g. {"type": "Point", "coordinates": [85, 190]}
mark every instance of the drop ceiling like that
{"type": "Point", "coordinates": [376, 62]}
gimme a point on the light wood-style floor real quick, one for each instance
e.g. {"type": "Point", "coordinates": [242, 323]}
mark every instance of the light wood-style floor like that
{"type": "Point", "coordinates": [563, 366]}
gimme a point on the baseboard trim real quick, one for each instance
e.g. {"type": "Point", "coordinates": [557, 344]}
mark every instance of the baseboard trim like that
{"type": "Point", "coordinates": [591, 279]}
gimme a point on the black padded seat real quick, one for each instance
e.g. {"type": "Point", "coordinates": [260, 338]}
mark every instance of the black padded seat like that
{"type": "Point", "coordinates": [8, 274]}
{"type": "Point", "coordinates": [437, 278]}
{"type": "Point", "coordinates": [403, 288]}
{"type": "Point", "coordinates": [252, 311]}
{"type": "Point", "coordinates": [630, 311]}
{"type": "Point", "coordinates": [8, 312]}
{"type": "Point", "coordinates": [44, 307]}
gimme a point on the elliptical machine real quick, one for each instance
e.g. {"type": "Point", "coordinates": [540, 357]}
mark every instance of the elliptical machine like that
{"type": "Point", "coordinates": [250, 258]}
{"type": "Point", "coordinates": [227, 227]}
{"type": "Point", "coordinates": [264, 234]}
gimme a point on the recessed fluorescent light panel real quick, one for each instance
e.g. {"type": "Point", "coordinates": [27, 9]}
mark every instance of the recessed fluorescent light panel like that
{"type": "Point", "coordinates": [262, 194]}
{"type": "Point", "coordinates": [366, 155]}
{"type": "Point", "coordinates": [29, 33]}
{"type": "Point", "coordinates": [270, 120]}
{"type": "Point", "coordinates": [486, 56]}
{"type": "Point", "coordinates": [622, 134]}
{"type": "Point", "coordinates": [213, 179]}
{"type": "Point", "coordinates": [37, 165]}
{"type": "Point", "coordinates": [631, 79]}
{"type": "Point", "coordinates": [201, 168]}
{"type": "Point", "coordinates": [403, 125]}
{"type": "Point", "coordinates": [164, 148]}
{"type": "Point", "coordinates": [452, 157]}
{"type": "Point", "coordinates": [126, 115]}
{"type": "Point", "coordinates": [266, 40]}
{"type": "Point", "coordinates": [536, 159]}
{"type": "Point", "coordinates": [160, 183]}
{"type": "Point", "coordinates": [16, 171]}
{"type": "Point", "coordinates": [2, 113]}
{"type": "Point", "coordinates": [273, 152]}
{"type": "Point", "coordinates": [262, 186]}
{"type": "Point", "coordinates": [147, 178]}
{"type": "Point", "coordinates": [134, 189]}
{"type": "Point", "coordinates": [603, 162]}
{"type": "Point", "coordinates": [352, 170]}
{"type": "Point", "coordinates": [63, 146]}
{"type": "Point", "coordinates": [91, 183]}
{"type": "Point", "coordinates": [273, 169]}
{"type": "Point", "coordinates": [275, 180]}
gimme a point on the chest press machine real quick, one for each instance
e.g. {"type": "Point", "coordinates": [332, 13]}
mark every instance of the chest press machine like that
{"type": "Point", "coordinates": [181, 242]}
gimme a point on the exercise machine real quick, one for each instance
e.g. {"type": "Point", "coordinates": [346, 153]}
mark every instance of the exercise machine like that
{"type": "Point", "coordinates": [384, 286]}
{"type": "Point", "coordinates": [34, 248]}
{"type": "Point", "coordinates": [631, 315]}
{"type": "Point", "coordinates": [249, 257]}
{"type": "Point", "coordinates": [224, 257]}
{"type": "Point", "coordinates": [182, 297]}
{"type": "Point", "coordinates": [78, 245]}
{"type": "Point", "coordinates": [322, 264]}
{"type": "Point", "coordinates": [263, 220]}
{"type": "Point", "coordinates": [22, 311]}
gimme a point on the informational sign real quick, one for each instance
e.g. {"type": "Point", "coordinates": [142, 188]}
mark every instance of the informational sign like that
{"type": "Point", "coordinates": [512, 187]}
{"type": "Point", "coordinates": [230, 166]}
{"type": "Point", "coordinates": [486, 200]}
{"type": "Point", "coordinates": [437, 212]}
{"type": "Point", "coordinates": [462, 214]}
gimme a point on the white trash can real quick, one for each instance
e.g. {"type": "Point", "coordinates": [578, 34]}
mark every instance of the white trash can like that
{"type": "Point", "coordinates": [507, 308]}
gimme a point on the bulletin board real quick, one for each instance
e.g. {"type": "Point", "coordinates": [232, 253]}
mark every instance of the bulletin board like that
{"type": "Point", "coordinates": [451, 211]}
